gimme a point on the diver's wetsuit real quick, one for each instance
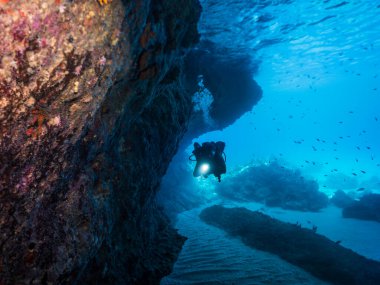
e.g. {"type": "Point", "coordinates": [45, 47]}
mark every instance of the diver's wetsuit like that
{"type": "Point", "coordinates": [210, 153]}
{"type": "Point", "coordinates": [219, 163]}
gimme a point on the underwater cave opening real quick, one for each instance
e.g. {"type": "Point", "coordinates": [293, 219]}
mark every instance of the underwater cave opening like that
{"type": "Point", "coordinates": [314, 132]}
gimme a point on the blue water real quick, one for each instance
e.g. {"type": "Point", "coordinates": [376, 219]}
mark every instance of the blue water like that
{"type": "Point", "coordinates": [318, 64]}
{"type": "Point", "coordinates": [319, 70]}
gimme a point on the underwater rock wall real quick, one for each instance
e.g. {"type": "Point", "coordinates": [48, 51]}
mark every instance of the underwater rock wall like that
{"type": "Point", "coordinates": [91, 111]}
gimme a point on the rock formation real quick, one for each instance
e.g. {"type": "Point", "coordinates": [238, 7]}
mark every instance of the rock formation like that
{"type": "Point", "coordinates": [275, 186]}
{"type": "Point", "coordinates": [92, 108]}
{"type": "Point", "coordinates": [341, 199]}
{"type": "Point", "coordinates": [367, 208]}
{"type": "Point", "coordinates": [230, 81]}
{"type": "Point", "coordinates": [323, 258]}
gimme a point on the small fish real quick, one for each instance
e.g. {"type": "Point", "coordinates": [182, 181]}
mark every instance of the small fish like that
{"type": "Point", "coordinates": [354, 174]}
{"type": "Point", "coordinates": [341, 137]}
{"type": "Point", "coordinates": [361, 189]}
{"type": "Point", "coordinates": [357, 160]}
{"type": "Point", "coordinates": [368, 147]}
{"type": "Point", "coordinates": [362, 171]}
{"type": "Point", "coordinates": [351, 112]}
{"type": "Point", "coordinates": [376, 119]}
{"type": "Point", "coordinates": [358, 148]}
{"type": "Point", "coordinates": [313, 163]}
{"type": "Point", "coordinates": [306, 161]}
{"type": "Point", "coordinates": [340, 122]}
{"type": "Point", "coordinates": [314, 148]}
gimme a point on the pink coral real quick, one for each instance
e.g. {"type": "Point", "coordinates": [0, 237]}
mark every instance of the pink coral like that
{"type": "Point", "coordinates": [36, 24]}
{"type": "Point", "coordinates": [26, 179]}
{"type": "Point", "coordinates": [42, 42]}
{"type": "Point", "coordinates": [77, 70]}
{"type": "Point", "coordinates": [102, 61]}
{"type": "Point", "coordinates": [62, 8]}
{"type": "Point", "coordinates": [20, 30]}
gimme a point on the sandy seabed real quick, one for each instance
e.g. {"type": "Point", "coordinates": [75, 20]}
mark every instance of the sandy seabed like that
{"type": "Point", "coordinates": [210, 256]}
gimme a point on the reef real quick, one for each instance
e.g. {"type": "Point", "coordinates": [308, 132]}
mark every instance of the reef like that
{"type": "Point", "coordinates": [92, 109]}
{"type": "Point", "coordinates": [323, 258]}
{"type": "Point", "coordinates": [275, 186]}
{"type": "Point", "coordinates": [367, 208]}
{"type": "Point", "coordinates": [341, 199]}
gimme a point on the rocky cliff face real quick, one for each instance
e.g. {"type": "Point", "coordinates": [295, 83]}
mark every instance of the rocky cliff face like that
{"type": "Point", "coordinates": [91, 111]}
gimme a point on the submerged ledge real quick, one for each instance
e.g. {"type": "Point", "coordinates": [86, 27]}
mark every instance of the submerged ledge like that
{"type": "Point", "coordinates": [302, 247]}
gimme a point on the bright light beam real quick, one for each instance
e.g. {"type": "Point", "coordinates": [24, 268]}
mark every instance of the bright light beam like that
{"type": "Point", "coordinates": [205, 168]}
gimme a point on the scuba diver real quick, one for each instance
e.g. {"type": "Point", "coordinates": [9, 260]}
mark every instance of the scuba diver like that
{"type": "Point", "coordinates": [209, 158]}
